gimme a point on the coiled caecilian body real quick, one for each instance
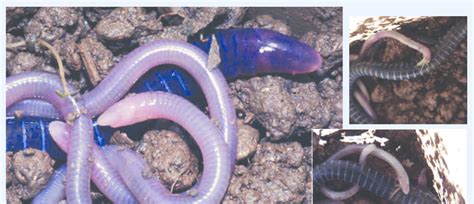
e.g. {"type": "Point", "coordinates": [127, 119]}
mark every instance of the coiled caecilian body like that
{"type": "Point", "coordinates": [214, 86]}
{"type": "Point", "coordinates": [37, 85]}
{"type": "Point", "coordinates": [369, 179]}
{"type": "Point", "coordinates": [404, 70]}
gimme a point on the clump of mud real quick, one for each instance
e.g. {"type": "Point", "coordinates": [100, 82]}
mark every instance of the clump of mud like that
{"type": "Point", "coordinates": [169, 159]}
{"type": "Point", "coordinates": [28, 172]}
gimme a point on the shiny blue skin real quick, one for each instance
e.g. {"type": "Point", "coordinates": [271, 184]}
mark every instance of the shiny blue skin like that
{"type": "Point", "coordinates": [248, 52]}
{"type": "Point", "coordinates": [243, 52]}
{"type": "Point", "coordinates": [32, 132]}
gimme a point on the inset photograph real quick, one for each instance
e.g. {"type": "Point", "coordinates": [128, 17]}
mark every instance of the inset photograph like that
{"type": "Point", "coordinates": [390, 166]}
{"type": "Point", "coordinates": [190, 105]}
{"type": "Point", "coordinates": [408, 70]}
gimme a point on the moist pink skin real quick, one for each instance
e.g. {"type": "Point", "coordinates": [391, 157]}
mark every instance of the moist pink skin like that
{"type": "Point", "coordinates": [365, 103]}
{"type": "Point", "coordinates": [401, 38]}
{"type": "Point", "coordinates": [366, 150]}
{"type": "Point", "coordinates": [37, 85]}
{"type": "Point", "coordinates": [216, 153]}
{"type": "Point", "coordinates": [79, 162]}
{"type": "Point", "coordinates": [42, 85]}
{"type": "Point", "coordinates": [35, 108]}
{"type": "Point", "coordinates": [54, 191]}
{"type": "Point", "coordinates": [190, 58]}
{"type": "Point", "coordinates": [103, 175]}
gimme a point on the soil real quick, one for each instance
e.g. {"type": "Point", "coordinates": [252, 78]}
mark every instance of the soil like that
{"type": "Point", "coordinates": [439, 97]}
{"type": "Point", "coordinates": [274, 129]}
{"type": "Point", "coordinates": [403, 144]}
{"type": "Point", "coordinates": [278, 172]}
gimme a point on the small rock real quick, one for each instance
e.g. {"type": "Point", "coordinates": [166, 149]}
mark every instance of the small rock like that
{"type": "Point", "coordinates": [113, 30]}
{"type": "Point", "coordinates": [248, 140]}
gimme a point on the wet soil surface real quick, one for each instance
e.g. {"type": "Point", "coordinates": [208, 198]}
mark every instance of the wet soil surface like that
{"type": "Point", "coordinates": [439, 97]}
{"type": "Point", "coordinates": [403, 144]}
{"type": "Point", "coordinates": [276, 111]}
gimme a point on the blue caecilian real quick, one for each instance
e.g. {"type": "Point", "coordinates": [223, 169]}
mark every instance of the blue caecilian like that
{"type": "Point", "coordinates": [243, 52]}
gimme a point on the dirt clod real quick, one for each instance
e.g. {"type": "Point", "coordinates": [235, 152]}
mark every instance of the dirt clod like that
{"type": "Point", "coordinates": [170, 159]}
{"type": "Point", "coordinates": [282, 105]}
{"type": "Point", "coordinates": [23, 62]}
{"type": "Point", "coordinates": [248, 140]}
{"type": "Point", "coordinates": [32, 169]}
{"type": "Point", "coordinates": [51, 23]}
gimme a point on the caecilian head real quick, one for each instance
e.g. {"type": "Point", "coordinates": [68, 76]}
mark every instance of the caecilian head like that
{"type": "Point", "coordinates": [279, 53]}
{"type": "Point", "coordinates": [120, 114]}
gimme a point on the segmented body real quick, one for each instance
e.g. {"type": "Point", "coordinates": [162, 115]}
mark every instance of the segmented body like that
{"type": "Point", "coordinates": [404, 71]}
{"type": "Point", "coordinates": [248, 52]}
{"type": "Point", "coordinates": [369, 179]}
{"type": "Point", "coordinates": [216, 155]}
